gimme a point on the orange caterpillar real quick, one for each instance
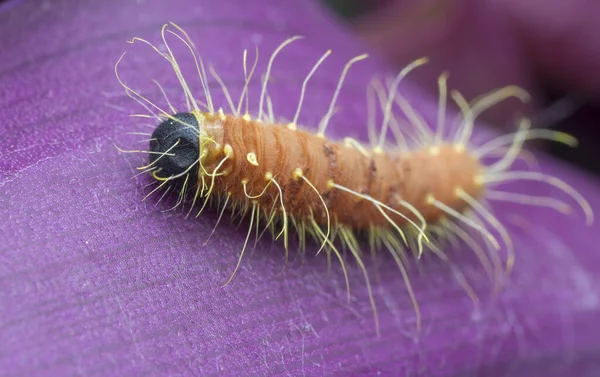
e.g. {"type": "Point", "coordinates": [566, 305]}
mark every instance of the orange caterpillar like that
{"type": "Point", "coordinates": [398, 195]}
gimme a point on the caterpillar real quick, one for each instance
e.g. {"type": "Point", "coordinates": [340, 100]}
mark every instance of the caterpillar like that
{"type": "Point", "coordinates": [406, 195]}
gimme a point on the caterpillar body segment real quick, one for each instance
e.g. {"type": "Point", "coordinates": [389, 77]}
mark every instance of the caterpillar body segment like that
{"type": "Point", "coordinates": [251, 155]}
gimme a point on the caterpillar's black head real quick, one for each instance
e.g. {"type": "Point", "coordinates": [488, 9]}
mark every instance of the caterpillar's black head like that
{"type": "Point", "coordinates": [175, 147]}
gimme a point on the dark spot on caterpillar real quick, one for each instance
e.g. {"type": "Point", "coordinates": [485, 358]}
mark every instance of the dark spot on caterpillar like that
{"type": "Point", "coordinates": [294, 186]}
{"type": "Point", "coordinates": [175, 146]}
{"type": "Point", "coordinates": [330, 154]}
{"type": "Point", "coordinates": [372, 170]}
{"type": "Point", "coordinates": [332, 159]}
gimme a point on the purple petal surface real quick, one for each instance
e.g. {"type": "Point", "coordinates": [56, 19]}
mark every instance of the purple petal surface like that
{"type": "Point", "coordinates": [94, 282]}
{"type": "Point", "coordinates": [470, 39]}
{"type": "Point", "coordinates": [562, 37]}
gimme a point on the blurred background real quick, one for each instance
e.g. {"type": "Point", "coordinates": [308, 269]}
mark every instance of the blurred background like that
{"type": "Point", "coordinates": [550, 48]}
